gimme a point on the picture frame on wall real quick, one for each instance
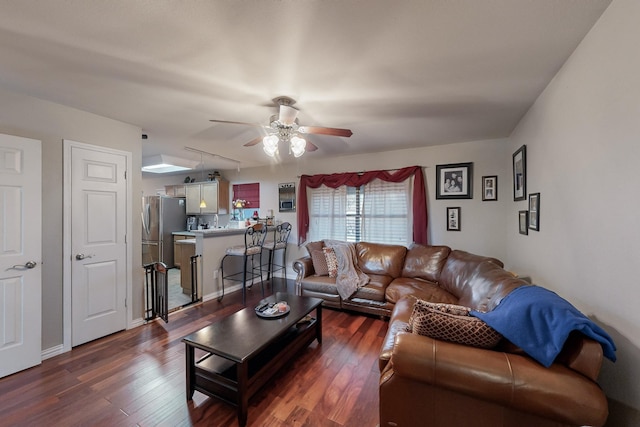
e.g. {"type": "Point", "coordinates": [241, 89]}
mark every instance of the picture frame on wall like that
{"type": "Point", "coordinates": [534, 211]}
{"type": "Point", "coordinates": [523, 222]}
{"type": "Point", "coordinates": [454, 181]}
{"type": "Point", "coordinates": [490, 188]}
{"type": "Point", "coordinates": [520, 174]}
{"type": "Point", "coordinates": [453, 219]}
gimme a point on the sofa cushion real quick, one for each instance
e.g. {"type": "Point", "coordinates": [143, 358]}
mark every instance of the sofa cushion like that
{"type": "Point", "coordinates": [319, 260]}
{"type": "Point", "coordinates": [422, 289]}
{"type": "Point", "coordinates": [320, 284]}
{"type": "Point", "coordinates": [487, 286]}
{"type": "Point", "coordinates": [377, 258]}
{"type": "Point", "coordinates": [458, 271]}
{"type": "Point", "coordinates": [425, 262]}
{"type": "Point", "coordinates": [332, 261]}
{"type": "Point", "coordinates": [375, 289]}
{"type": "Point", "coordinates": [452, 323]}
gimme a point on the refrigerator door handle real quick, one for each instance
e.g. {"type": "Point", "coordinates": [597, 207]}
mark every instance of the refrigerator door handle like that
{"type": "Point", "coordinates": [146, 213]}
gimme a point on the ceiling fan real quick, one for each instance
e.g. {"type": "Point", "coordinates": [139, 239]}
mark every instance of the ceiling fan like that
{"type": "Point", "coordinates": [284, 127]}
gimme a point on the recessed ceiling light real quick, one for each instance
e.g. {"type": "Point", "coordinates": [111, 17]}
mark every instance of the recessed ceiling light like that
{"type": "Point", "coordinates": [165, 164]}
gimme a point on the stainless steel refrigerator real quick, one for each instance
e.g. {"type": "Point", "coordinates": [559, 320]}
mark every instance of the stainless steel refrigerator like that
{"type": "Point", "coordinates": [160, 217]}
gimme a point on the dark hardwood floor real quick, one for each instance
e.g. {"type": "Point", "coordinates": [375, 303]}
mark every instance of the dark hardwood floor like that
{"type": "Point", "coordinates": [137, 378]}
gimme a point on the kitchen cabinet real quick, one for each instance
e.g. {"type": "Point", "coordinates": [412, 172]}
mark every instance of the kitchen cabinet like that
{"type": "Point", "coordinates": [177, 248]}
{"type": "Point", "coordinates": [214, 193]}
{"type": "Point", "coordinates": [187, 250]}
{"type": "Point", "coordinates": [174, 190]}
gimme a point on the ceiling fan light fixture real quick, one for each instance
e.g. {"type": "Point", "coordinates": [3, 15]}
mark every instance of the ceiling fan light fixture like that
{"type": "Point", "coordinates": [298, 146]}
{"type": "Point", "coordinates": [270, 145]}
{"type": "Point", "coordinates": [287, 115]}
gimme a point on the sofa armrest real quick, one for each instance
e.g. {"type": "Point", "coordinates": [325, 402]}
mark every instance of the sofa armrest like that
{"type": "Point", "coordinates": [509, 380]}
{"type": "Point", "coordinates": [304, 267]}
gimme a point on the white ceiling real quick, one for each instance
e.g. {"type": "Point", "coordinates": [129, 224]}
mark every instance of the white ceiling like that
{"type": "Point", "coordinates": [399, 74]}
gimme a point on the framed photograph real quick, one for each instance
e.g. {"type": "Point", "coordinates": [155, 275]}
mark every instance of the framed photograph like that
{"type": "Point", "coordinates": [454, 181]}
{"type": "Point", "coordinates": [520, 174]}
{"type": "Point", "coordinates": [523, 222]}
{"type": "Point", "coordinates": [453, 219]}
{"type": "Point", "coordinates": [489, 188]}
{"type": "Point", "coordinates": [534, 211]}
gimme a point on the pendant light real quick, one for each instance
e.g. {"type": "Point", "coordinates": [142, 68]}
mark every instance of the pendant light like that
{"type": "Point", "coordinates": [203, 204]}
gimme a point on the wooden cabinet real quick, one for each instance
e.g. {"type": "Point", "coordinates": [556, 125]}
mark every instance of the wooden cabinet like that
{"type": "Point", "coordinates": [214, 193]}
{"type": "Point", "coordinates": [177, 248]}
{"type": "Point", "coordinates": [175, 190]}
{"type": "Point", "coordinates": [187, 250]}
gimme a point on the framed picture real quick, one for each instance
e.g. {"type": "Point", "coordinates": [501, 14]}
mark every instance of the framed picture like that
{"type": "Point", "coordinates": [520, 174]}
{"type": "Point", "coordinates": [489, 188]}
{"type": "Point", "coordinates": [454, 181]}
{"type": "Point", "coordinates": [534, 211]}
{"type": "Point", "coordinates": [523, 222]}
{"type": "Point", "coordinates": [453, 219]}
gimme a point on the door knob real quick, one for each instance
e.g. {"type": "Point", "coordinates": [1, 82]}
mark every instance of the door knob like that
{"type": "Point", "coordinates": [80, 257]}
{"type": "Point", "coordinates": [27, 265]}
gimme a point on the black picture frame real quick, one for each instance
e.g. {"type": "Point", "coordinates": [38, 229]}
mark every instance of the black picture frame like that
{"type": "Point", "coordinates": [520, 174]}
{"type": "Point", "coordinates": [534, 211]}
{"type": "Point", "coordinates": [490, 188]}
{"type": "Point", "coordinates": [454, 181]}
{"type": "Point", "coordinates": [453, 219]}
{"type": "Point", "coordinates": [523, 222]}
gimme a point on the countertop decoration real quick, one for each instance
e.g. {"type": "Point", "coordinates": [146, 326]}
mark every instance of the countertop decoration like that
{"type": "Point", "coordinates": [238, 206]}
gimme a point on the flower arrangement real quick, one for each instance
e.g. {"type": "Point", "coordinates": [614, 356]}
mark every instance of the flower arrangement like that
{"type": "Point", "coordinates": [238, 205]}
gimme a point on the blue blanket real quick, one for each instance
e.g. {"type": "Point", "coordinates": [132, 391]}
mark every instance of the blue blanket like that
{"type": "Point", "coordinates": [539, 322]}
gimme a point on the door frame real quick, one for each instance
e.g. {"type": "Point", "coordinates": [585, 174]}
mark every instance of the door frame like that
{"type": "Point", "coordinates": [67, 255]}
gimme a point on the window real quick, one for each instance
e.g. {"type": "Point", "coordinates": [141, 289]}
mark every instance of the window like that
{"type": "Point", "coordinates": [377, 212]}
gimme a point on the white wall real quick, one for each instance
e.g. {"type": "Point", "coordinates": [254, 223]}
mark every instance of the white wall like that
{"type": "Point", "coordinates": [483, 228]}
{"type": "Point", "coordinates": [583, 148]}
{"type": "Point", "coordinates": [51, 123]}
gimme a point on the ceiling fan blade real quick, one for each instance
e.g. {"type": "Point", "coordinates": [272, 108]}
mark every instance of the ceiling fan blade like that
{"type": "Point", "coordinates": [237, 123]}
{"type": "Point", "coordinates": [253, 142]}
{"type": "Point", "coordinates": [325, 131]}
{"type": "Point", "coordinates": [287, 115]}
{"type": "Point", "coordinates": [310, 147]}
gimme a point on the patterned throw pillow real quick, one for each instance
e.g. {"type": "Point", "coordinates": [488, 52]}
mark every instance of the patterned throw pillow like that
{"type": "Point", "coordinates": [332, 261]}
{"type": "Point", "coordinates": [319, 263]}
{"type": "Point", "coordinates": [453, 323]}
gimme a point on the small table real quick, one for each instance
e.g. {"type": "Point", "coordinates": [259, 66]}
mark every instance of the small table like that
{"type": "Point", "coordinates": [243, 351]}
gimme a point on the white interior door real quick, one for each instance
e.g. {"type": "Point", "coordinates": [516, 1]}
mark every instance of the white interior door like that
{"type": "Point", "coordinates": [98, 243]}
{"type": "Point", "coordinates": [20, 254]}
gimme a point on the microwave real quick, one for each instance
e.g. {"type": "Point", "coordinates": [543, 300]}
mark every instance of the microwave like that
{"type": "Point", "coordinates": [287, 205]}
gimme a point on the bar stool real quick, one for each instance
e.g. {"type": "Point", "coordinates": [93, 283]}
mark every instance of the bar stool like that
{"type": "Point", "coordinates": [279, 242]}
{"type": "Point", "coordinates": [253, 240]}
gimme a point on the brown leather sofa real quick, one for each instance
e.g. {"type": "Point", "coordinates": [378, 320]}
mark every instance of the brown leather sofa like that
{"type": "Point", "coordinates": [429, 382]}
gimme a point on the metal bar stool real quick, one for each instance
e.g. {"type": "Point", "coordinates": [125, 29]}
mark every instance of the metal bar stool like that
{"type": "Point", "coordinates": [279, 242]}
{"type": "Point", "coordinates": [253, 240]}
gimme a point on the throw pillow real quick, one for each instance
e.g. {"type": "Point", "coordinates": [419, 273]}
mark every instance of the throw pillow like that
{"type": "Point", "coordinates": [314, 246]}
{"type": "Point", "coordinates": [319, 263]}
{"type": "Point", "coordinates": [332, 261]}
{"type": "Point", "coordinates": [452, 323]}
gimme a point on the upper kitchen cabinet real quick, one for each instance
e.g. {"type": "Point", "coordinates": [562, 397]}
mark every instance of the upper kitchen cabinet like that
{"type": "Point", "coordinates": [175, 190]}
{"type": "Point", "coordinates": [214, 193]}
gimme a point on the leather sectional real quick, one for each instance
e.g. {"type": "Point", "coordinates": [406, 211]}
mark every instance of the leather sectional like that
{"type": "Point", "coordinates": [430, 382]}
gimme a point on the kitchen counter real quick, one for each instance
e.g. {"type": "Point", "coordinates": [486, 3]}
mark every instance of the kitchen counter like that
{"type": "Point", "coordinates": [183, 233]}
{"type": "Point", "coordinates": [211, 244]}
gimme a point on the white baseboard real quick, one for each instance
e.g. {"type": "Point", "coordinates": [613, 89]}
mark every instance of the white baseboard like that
{"type": "Point", "coordinates": [227, 290]}
{"type": "Point", "coordinates": [53, 351]}
{"type": "Point", "coordinates": [135, 323]}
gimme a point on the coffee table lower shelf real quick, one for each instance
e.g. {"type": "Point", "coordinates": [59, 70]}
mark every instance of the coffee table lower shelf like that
{"type": "Point", "coordinates": [235, 382]}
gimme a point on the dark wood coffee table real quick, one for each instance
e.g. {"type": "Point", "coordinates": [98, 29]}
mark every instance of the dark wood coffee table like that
{"type": "Point", "coordinates": [244, 351]}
